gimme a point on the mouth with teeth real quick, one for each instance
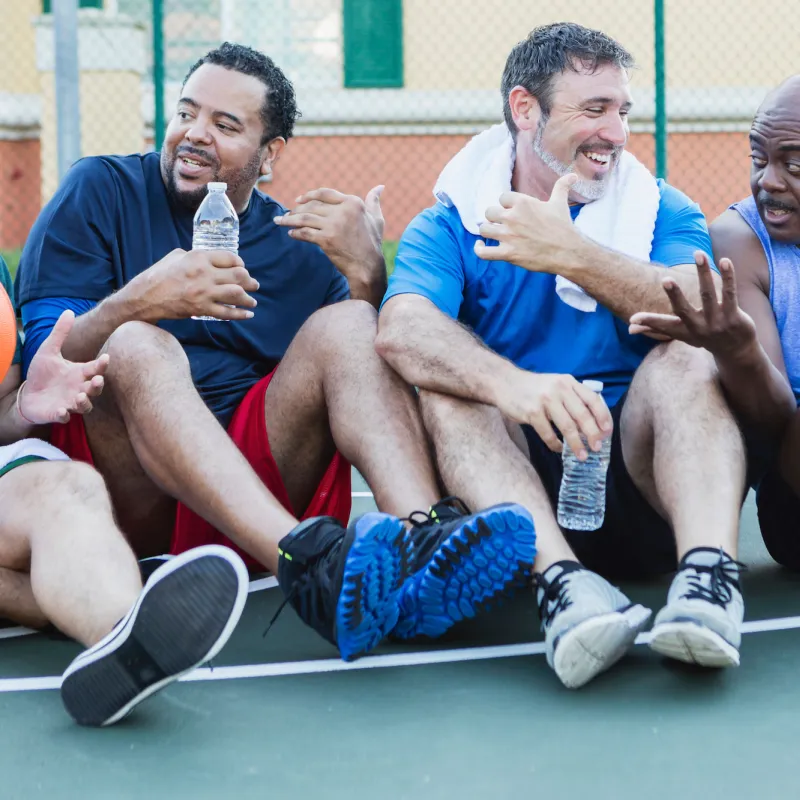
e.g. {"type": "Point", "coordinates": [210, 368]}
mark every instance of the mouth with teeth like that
{"type": "Point", "coordinates": [191, 166]}
{"type": "Point", "coordinates": [601, 161]}
{"type": "Point", "coordinates": [776, 213]}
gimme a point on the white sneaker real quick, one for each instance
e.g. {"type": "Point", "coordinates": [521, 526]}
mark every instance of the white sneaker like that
{"type": "Point", "coordinates": [183, 617]}
{"type": "Point", "coordinates": [702, 621]}
{"type": "Point", "coordinates": [588, 623]}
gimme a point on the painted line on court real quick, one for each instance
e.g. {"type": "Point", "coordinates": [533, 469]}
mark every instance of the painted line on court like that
{"type": "Point", "coordinates": [419, 658]}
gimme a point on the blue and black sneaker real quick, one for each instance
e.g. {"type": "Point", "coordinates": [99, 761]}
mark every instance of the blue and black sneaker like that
{"type": "Point", "coordinates": [346, 583]}
{"type": "Point", "coordinates": [462, 563]}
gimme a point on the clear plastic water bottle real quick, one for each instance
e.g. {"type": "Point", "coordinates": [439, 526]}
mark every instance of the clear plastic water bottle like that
{"type": "Point", "coordinates": [582, 497]}
{"type": "Point", "coordinates": [216, 226]}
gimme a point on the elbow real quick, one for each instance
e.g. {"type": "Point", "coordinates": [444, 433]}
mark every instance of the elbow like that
{"type": "Point", "coordinates": [392, 340]}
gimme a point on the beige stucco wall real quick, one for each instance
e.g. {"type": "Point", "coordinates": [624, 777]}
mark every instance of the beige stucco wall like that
{"type": "Point", "coordinates": [18, 46]}
{"type": "Point", "coordinates": [463, 44]}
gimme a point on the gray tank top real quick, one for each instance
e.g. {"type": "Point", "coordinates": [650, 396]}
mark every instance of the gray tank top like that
{"type": "Point", "coordinates": [784, 289]}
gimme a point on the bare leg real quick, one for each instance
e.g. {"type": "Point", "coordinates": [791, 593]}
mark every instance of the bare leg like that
{"type": "Point", "coordinates": [181, 446]}
{"type": "Point", "coordinates": [683, 448]}
{"type": "Point", "coordinates": [480, 463]}
{"type": "Point", "coordinates": [332, 391]}
{"type": "Point", "coordinates": [56, 522]}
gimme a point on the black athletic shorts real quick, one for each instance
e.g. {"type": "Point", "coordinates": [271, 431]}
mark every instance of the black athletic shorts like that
{"type": "Point", "coordinates": [635, 541]}
{"type": "Point", "coordinates": [779, 518]}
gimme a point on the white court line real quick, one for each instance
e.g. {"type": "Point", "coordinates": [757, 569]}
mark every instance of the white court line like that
{"type": "Point", "coordinates": [361, 494]}
{"type": "Point", "coordinates": [371, 662]}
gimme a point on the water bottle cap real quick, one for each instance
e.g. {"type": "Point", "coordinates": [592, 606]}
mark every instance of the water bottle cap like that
{"type": "Point", "coordinates": [217, 187]}
{"type": "Point", "coordinates": [595, 386]}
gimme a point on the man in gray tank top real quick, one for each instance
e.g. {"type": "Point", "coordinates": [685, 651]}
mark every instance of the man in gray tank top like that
{"type": "Point", "coordinates": [754, 331]}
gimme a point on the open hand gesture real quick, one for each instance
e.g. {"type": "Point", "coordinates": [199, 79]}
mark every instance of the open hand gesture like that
{"type": "Point", "coordinates": [721, 327]}
{"type": "Point", "coordinates": [55, 387]}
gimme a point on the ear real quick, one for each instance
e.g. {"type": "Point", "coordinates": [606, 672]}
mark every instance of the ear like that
{"type": "Point", "coordinates": [525, 109]}
{"type": "Point", "coordinates": [272, 153]}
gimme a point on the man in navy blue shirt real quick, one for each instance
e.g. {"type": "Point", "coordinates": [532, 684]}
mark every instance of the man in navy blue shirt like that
{"type": "Point", "coordinates": [546, 238]}
{"type": "Point", "coordinates": [64, 561]}
{"type": "Point", "coordinates": [114, 245]}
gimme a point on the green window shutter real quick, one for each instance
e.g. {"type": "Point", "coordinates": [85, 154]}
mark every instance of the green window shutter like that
{"type": "Point", "coordinates": [47, 5]}
{"type": "Point", "coordinates": [373, 43]}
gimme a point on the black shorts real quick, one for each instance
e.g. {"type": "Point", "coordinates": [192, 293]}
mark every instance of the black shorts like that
{"type": "Point", "coordinates": [635, 541]}
{"type": "Point", "coordinates": [779, 518]}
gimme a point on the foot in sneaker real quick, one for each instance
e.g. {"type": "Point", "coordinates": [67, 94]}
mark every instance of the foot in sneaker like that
{"type": "Point", "coordinates": [346, 583]}
{"type": "Point", "coordinates": [702, 621]}
{"type": "Point", "coordinates": [588, 623]}
{"type": "Point", "coordinates": [182, 618]}
{"type": "Point", "coordinates": [463, 562]}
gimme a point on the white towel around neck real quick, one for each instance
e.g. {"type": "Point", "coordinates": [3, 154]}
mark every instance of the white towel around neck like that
{"type": "Point", "coordinates": [623, 219]}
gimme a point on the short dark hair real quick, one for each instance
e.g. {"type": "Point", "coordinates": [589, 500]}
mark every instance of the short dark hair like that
{"type": "Point", "coordinates": [550, 50]}
{"type": "Point", "coordinates": [279, 111]}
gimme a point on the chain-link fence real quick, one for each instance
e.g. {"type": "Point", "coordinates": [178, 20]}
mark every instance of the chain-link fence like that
{"type": "Point", "coordinates": [389, 89]}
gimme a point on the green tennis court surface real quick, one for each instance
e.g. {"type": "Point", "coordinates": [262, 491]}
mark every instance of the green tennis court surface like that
{"type": "Point", "coordinates": [477, 714]}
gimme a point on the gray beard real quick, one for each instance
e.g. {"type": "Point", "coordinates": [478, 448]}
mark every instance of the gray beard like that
{"type": "Point", "coordinates": [588, 190]}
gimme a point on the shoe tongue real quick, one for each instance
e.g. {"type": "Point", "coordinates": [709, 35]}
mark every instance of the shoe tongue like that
{"type": "Point", "coordinates": [704, 557]}
{"type": "Point", "coordinates": [554, 571]}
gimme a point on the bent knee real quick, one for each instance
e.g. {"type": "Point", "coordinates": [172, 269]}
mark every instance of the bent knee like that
{"type": "Point", "coordinates": [134, 342]}
{"type": "Point", "coordinates": [682, 361]}
{"type": "Point", "coordinates": [342, 324]}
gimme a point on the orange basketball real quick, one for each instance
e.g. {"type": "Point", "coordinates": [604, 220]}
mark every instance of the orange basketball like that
{"type": "Point", "coordinates": [8, 332]}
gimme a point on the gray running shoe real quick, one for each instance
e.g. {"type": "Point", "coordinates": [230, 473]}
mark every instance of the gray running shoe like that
{"type": "Point", "coordinates": [702, 621]}
{"type": "Point", "coordinates": [588, 623]}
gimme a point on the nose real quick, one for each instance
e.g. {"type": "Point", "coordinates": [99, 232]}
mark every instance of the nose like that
{"type": "Point", "coordinates": [615, 130]}
{"type": "Point", "coordinates": [771, 180]}
{"type": "Point", "coordinates": [198, 132]}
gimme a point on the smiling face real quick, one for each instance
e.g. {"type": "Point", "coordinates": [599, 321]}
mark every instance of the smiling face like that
{"type": "Point", "coordinates": [585, 130]}
{"type": "Point", "coordinates": [216, 135]}
{"type": "Point", "coordinates": [775, 162]}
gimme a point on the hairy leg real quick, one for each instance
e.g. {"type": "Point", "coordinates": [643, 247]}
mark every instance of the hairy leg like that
{"type": "Point", "coordinates": [332, 391]}
{"type": "Point", "coordinates": [181, 447]}
{"type": "Point", "coordinates": [70, 563]}
{"type": "Point", "coordinates": [683, 448]}
{"type": "Point", "coordinates": [480, 462]}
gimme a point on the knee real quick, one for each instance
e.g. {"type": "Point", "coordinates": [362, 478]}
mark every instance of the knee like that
{"type": "Point", "coordinates": [135, 344]}
{"type": "Point", "coordinates": [343, 325]}
{"type": "Point", "coordinates": [66, 483]}
{"type": "Point", "coordinates": [442, 413]}
{"type": "Point", "coordinates": [678, 365]}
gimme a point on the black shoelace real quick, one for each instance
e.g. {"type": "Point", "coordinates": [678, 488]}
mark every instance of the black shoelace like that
{"type": "Point", "coordinates": [286, 600]}
{"type": "Point", "coordinates": [420, 518]}
{"type": "Point", "coordinates": [724, 578]}
{"type": "Point", "coordinates": [555, 598]}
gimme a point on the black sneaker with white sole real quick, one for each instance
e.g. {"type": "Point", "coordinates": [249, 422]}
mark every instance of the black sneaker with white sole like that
{"type": "Point", "coordinates": [183, 617]}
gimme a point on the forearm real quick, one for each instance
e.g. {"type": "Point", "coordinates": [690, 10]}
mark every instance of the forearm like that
{"type": "Point", "coordinates": [757, 392]}
{"type": "Point", "coordinates": [370, 286]}
{"type": "Point", "coordinates": [92, 329]}
{"type": "Point", "coordinates": [622, 284]}
{"type": "Point", "coordinates": [432, 351]}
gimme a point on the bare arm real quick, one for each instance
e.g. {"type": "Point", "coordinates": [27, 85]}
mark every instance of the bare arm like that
{"type": "Point", "coordinates": [739, 331]}
{"type": "Point", "coordinates": [540, 237]}
{"type": "Point", "coordinates": [180, 285]}
{"type": "Point", "coordinates": [12, 426]}
{"type": "Point", "coordinates": [432, 351]}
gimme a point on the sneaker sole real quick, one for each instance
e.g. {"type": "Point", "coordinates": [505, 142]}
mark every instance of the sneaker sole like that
{"type": "Point", "coordinates": [693, 643]}
{"type": "Point", "coordinates": [596, 644]}
{"type": "Point", "coordinates": [183, 618]}
{"type": "Point", "coordinates": [376, 567]}
{"type": "Point", "coordinates": [490, 555]}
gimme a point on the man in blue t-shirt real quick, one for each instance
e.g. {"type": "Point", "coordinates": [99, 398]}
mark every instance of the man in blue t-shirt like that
{"type": "Point", "coordinates": [517, 286]}
{"type": "Point", "coordinates": [64, 561]}
{"type": "Point", "coordinates": [754, 332]}
{"type": "Point", "coordinates": [114, 245]}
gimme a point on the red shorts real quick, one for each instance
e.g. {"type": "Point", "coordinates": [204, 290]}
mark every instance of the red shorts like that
{"type": "Point", "coordinates": [248, 429]}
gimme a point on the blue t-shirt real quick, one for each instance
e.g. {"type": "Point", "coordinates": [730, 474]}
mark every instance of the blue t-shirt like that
{"type": "Point", "coordinates": [518, 314]}
{"type": "Point", "coordinates": [111, 219]}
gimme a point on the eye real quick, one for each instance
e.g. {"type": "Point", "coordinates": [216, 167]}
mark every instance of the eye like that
{"type": "Point", "coordinates": [758, 161]}
{"type": "Point", "coordinates": [793, 167]}
{"type": "Point", "coordinates": [624, 112]}
{"type": "Point", "coordinates": [595, 110]}
{"type": "Point", "coordinates": [225, 128]}
{"type": "Point", "coordinates": [183, 115]}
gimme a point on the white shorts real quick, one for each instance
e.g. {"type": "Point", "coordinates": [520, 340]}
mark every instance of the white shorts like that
{"type": "Point", "coordinates": [27, 450]}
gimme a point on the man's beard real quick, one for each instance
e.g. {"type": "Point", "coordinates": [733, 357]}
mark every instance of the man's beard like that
{"type": "Point", "coordinates": [191, 199]}
{"type": "Point", "coordinates": [587, 189]}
